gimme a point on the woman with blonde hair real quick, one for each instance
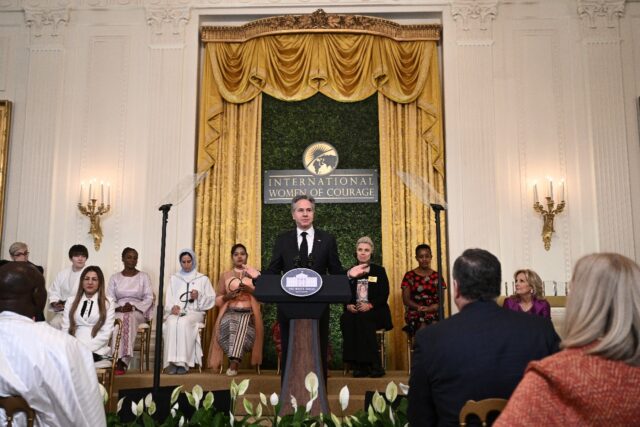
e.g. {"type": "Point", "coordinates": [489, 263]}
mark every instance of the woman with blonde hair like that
{"type": "Point", "coordinates": [528, 295]}
{"type": "Point", "coordinates": [594, 380]}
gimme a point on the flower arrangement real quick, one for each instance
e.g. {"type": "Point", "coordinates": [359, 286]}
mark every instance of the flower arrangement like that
{"type": "Point", "coordinates": [265, 413]}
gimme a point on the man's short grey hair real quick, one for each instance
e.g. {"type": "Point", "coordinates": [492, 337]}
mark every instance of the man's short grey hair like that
{"type": "Point", "coordinates": [303, 197]}
{"type": "Point", "coordinates": [17, 247]}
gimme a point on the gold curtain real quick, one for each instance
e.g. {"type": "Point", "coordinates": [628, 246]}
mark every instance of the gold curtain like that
{"type": "Point", "coordinates": [343, 66]}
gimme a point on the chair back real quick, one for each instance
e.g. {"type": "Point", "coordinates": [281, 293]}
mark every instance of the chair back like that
{"type": "Point", "coordinates": [15, 404]}
{"type": "Point", "coordinates": [481, 409]}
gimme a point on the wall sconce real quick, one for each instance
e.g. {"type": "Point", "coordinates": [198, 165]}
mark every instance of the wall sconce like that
{"type": "Point", "coordinates": [93, 210]}
{"type": "Point", "coordinates": [550, 212]}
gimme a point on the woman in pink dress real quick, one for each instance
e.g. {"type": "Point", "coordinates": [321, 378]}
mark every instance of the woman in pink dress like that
{"type": "Point", "coordinates": [131, 292]}
{"type": "Point", "coordinates": [528, 295]}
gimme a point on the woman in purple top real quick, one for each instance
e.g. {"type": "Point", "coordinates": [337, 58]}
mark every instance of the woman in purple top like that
{"type": "Point", "coordinates": [528, 295]}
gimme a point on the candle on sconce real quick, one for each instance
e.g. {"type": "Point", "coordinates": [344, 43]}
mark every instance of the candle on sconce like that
{"type": "Point", "coordinates": [562, 190]}
{"type": "Point", "coordinates": [81, 191]}
{"type": "Point", "coordinates": [90, 190]}
{"type": "Point", "coordinates": [551, 188]}
{"type": "Point", "coordinates": [101, 192]}
{"type": "Point", "coordinates": [535, 192]}
{"type": "Point", "coordinates": [108, 194]}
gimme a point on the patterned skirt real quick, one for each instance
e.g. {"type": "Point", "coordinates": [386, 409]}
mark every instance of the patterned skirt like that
{"type": "Point", "coordinates": [237, 332]}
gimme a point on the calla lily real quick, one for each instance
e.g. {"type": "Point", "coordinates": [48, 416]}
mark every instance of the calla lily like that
{"type": "Point", "coordinates": [294, 403]}
{"type": "Point", "coordinates": [243, 386]}
{"type": "Point", "coordinates": [134, 409]}
{"type": "Point", "coordinates": [263, 399]}
{"type": "Point", "coordinates": [378, 403]}
{"type": "Point", "coordinates": [174, 409]}
{"type": "Point", "coordinates": [197, 395]}
{"type": "Point", "coordinates": [147, 400]}
{"type": "Point", "coordinates": [151, 409]}
{"type": "Point", "coordinates": [391, 392]}
{"type": "Point", "coordinates": [103, 393]}
{"type": "Point", "coordinates": [273, 399]}
{"type": "Point", "coordinates": [175, 393]}
{"type": "Point", "coordinates": [259, 410]}
{"type": "Point", "coordinates": [344, 397]}
{"type": "Point", "coordinates": [248, 406]}
{"type": "Point", "coordinates": [208, 400]}
{"type": "Point", "coordinates": [311, 383]}
{"type": "Point", "coordinates": [181, 422]}
{"type": "Point", "coordinates": [191, 399]}
{"type": "Point", "coordinates": [119, 407]}
{"type": "Point", "coordinates": [335, 420]}
{"type": "Point", "coordinates": [310, 404]}
{"type": "Point", "coordinates": [233, 388]}
{"type": "Point", "coordinates": [372, 416]}
{"type": "Point", "coordinates": [404, 388]}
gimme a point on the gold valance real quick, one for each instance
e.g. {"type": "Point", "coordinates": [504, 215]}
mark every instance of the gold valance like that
{"type": "Point", "coordinates": [321, 22]}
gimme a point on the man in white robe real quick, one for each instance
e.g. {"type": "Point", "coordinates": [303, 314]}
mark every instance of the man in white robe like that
{"type": "Point", "coordinates": [51, 370]}
{"type": "Point", "coordinates": [188, 297]}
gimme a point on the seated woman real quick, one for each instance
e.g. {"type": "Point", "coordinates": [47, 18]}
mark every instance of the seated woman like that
{"type": "Point", "coordinates": [238, 328]}
{"type": "Point", "coordinates": [367, 312]}
{"type": "Point", "coordinates": [90, 316]}
{"type": "Point", "coordinates": [187, 299]}
{"type": "Point", "coordinates": [594, 380]}
{"type": "Point", "coordinates": [528, 295]}
{"type": "Point", "coordinates": [131, 292]}
{"type": "Point", "coordinates": [420, 292]}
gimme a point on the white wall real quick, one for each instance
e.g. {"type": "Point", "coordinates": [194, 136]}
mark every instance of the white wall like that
{"type": "Point", "coordinates": [531, 88]}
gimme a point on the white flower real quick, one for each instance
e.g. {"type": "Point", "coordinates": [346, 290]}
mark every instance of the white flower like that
{"type": "Point", "coordinates": [294, 403]}
{"type": "Point", "coordinates": [404, 388]}
{"type": "Point", "coordinates": [248, 406]}
{"type": "Point", "coordinates": [197, 395]}
{"type": "Point", "coordinates": [310, 404]}
{"type": "Point", "coordinates": [263, 399]}
{"type": "Point", "coordinates": [181, 422]}
{"type": "Point", "coordinates": [191, 399]}
{"type": "Point", "coordinates": [175, 394]}
{"type": "Point", "coordinates": [311, 383]}
{"type": "Point", "coordinates": [273, 399]}
{"type": "Point", "coordinates": [208, 400]}
{"type": "Point", "coordinates": [147, 400]}
{"type": "Point", "coordinates": [391, 392]}
{"type": "Point", "coordinates": [138, 408]}
{"type": "Point", "coordinates": [378, 402]}
{"type": "Point", "coordinates": [119, 405]}
{"type": "Point", "coordinates": [344, 397]}
{"type": "Point", "coordinates": [243, 386]}
{"type": "Point", "coordinates": [103, 393]}
{"type": "Point", "coordinates": [151, 409]}
{"type": "Point", "coordinates": [174, 409]}
{"type": "Point", "coordinates": [259, 410]}
{"type": "Point", "coordinates": [335, 420]}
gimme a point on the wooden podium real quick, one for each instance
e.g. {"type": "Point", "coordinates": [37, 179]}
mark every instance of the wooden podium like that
{"type": "Point", "coordinates": [303, 353]}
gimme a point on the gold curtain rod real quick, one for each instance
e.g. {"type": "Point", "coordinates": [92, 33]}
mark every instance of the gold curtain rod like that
{"type": "Point", "coordinates": [321, 22]}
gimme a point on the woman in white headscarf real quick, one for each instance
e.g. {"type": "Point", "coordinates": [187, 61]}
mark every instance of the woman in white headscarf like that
{"type": "Point", "coordinates": [187, 299]}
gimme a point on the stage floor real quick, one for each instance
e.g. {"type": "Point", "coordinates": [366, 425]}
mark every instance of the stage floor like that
{"type": "Point", "coordinates": [268, 382]}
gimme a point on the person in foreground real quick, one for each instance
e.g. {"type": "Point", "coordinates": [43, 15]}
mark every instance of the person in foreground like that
{"type": "Point", "coordinates": [527, 297]}
{"type": "Point", "coordinates": [90, 316]}
{"type": "Point", "coordinates": [51, 370]}
{"type": "Point", "coordinates": [239, 327]}
{"type": "Point", "coordinates": [479, 353]}
{"type": "Point", "coordinates": [187, 299]}
{"type": "Point", "coordinates": [595, 379]}
{"type": "Point", "coordinates": [130, 291]}
{"type": "Point", "coordinates": [19, 251]}
{"type": "Point", "coordinates": [367, 312]}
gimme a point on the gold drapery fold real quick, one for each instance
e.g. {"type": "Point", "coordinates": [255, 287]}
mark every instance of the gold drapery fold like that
{"type": "Point", "coordinates": [347, 68]}
{"type": "Point", "coordinates": [228, 202]}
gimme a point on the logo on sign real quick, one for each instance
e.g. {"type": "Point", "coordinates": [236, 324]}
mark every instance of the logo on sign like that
{"type": "Point", "coordinates": [301, 282]}
{"type": "Point", "coordinates": [320, 158]}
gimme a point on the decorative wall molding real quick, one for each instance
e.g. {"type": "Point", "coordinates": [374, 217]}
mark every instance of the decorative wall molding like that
{"type": "Point", "coordinates": [167, 24]}
{"type": "Point", "coordinates": [46, 24]}
{"type": "Point", "coordinates": [474, 14]}
{"type": "Point", "coordinates": [601, 11]}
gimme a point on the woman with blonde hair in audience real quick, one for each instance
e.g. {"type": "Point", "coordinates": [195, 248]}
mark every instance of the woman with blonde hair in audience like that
{"type": "Point", "coordinates": [594, 380]}
{"type": "Point", "coordinates": [528, 296]}
{"type": "Point", "coordinates": [90, 316]}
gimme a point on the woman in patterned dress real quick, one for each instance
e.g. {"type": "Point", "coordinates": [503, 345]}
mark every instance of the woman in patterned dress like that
{"type": "Point", "coordinates": [239, 327]}
{"type": "Point", "coordinates": [130, 290]}
{"type": "Point", "coordinates": [420, 292]}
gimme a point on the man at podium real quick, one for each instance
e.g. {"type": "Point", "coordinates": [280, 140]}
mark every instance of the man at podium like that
{"type": "Point", "coordinates": [308, 247]}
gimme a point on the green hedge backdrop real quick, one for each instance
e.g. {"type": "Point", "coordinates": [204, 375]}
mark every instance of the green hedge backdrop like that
{"type": "Point", "coordinates": [287, 129]}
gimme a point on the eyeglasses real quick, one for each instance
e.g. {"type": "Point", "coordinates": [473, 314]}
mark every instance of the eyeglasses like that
{"type": "Point", "coordinates": [17, 254]}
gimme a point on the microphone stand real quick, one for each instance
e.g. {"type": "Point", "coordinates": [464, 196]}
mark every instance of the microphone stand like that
{"type": "Point", "coordinates": [437, 208]}
{"type": "Point", "coordinates": [160, 310]}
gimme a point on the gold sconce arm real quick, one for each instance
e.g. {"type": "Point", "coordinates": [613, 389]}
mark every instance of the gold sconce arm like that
{"type": "Point", "coordinates": [94, 211]}
{"type": "Point", "coordinates": [548, 215]}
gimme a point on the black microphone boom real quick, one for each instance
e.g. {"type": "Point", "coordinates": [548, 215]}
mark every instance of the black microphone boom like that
{"type": "Point", "coordinates": [437, 208]}
{"type": "Point", "coordinates": [160, 310]}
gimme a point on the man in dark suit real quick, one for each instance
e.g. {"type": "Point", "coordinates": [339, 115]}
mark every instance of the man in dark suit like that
{"type": "Point", "coordinates": [307, 247]}
{"type": "Point", "coordinates": [479, 353]}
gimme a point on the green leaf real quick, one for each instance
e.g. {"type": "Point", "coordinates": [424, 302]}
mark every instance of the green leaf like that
{"type": "Point", "coordinates": [243, 386]}
{"type": "Point", "coordinates": [335, 420]}
{"type": "Point", "coordinates": [147, 421]}
{"type": "Point", "coordinates": [259, 410]}
{"type": "Point", "coordinates": [248, 406]}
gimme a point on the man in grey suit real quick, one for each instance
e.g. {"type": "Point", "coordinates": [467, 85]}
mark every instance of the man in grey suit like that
{"type": "Point", "coordinates": [479, 353]}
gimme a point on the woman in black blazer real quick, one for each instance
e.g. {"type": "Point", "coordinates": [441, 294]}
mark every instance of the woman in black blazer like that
{"type": "Point", "coordinates": [367, 312]}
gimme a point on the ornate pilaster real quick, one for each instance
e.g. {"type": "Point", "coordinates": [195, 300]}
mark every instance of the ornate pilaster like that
{"type": "Point", "coordinates": [601, 50]}
{"type": "Point", "coordinates": [167, 25]}
{"type": "Point", "coordinates": [46, 25]}
{"type": "Point", "coordinates": [475, 16]}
